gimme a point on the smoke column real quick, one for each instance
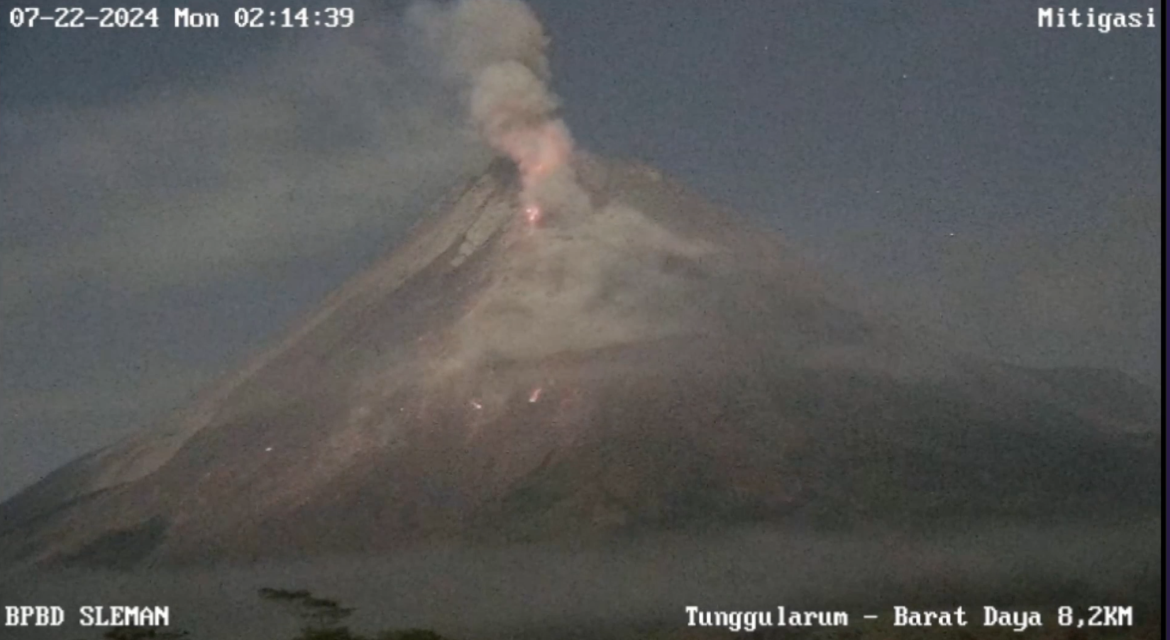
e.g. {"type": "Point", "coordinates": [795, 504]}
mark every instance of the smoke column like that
{"type": "Point", "coordinates": [498, 47]}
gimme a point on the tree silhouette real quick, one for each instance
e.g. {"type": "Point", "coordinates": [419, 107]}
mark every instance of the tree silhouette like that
{"type": "Point", "coordinates": [143, 633]}
{"type": "Point", "coordinates": [323, 618]}
{"type": "Point", "coordinates": [409, 634]}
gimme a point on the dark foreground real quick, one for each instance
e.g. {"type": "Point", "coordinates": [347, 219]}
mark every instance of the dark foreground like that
{"type": "Point", "coordinates": [641, 589]}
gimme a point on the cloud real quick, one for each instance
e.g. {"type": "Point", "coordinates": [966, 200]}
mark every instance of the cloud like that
{"type": "Point", "coordinates": [205, 188]}
{"type": "Point", "coordinates": [305, 147]}
{"type": "Point", "coordinates": [1039, 296]}
{"type": "Point", "coordinates": [43, 428]}
{"type": "Point", "coordinates": [1098, 289]}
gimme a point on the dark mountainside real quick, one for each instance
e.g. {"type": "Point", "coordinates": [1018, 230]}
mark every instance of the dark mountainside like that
{"type": "Point", "coordinates": [657, 364]}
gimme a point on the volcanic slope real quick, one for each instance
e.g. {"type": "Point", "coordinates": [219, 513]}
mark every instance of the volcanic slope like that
{"type": "Point", "coordinates": [650, 363]}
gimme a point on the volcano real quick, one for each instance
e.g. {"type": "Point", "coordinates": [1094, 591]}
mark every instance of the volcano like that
{"type": "Point", "coordinates": [654, 363]}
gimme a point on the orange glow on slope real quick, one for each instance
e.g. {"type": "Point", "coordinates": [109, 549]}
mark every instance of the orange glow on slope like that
{"type": "Point", "coordinates": [538, 151]}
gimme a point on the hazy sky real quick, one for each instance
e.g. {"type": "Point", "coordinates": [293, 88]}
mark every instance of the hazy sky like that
{"type": "Point", "coordinates": [170, 200]}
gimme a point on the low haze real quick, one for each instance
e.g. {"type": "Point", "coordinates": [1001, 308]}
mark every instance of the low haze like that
{"type": "Point", "coordinates": [498, 593]}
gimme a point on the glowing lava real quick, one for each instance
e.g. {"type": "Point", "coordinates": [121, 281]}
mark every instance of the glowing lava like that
{"type": "Point", "coordinates": [538, 152]}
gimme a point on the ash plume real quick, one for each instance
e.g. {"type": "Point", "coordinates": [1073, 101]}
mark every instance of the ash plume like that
{"type": "Point", "coordinates": [498, 48]}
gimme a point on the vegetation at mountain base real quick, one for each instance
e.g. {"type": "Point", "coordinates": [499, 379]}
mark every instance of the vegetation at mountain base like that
{"type": "Point", "coordinates": [323, 618]}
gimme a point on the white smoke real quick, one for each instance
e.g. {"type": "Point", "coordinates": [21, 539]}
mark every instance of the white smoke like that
{"type": "Point", "coordinates": [499, 49]}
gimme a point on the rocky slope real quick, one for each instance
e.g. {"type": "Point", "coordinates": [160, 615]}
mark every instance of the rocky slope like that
{"type": "Point", "coordinates": [655, 363]}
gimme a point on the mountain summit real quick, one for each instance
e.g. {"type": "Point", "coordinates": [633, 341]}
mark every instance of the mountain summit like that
{"type": "Point", "coordinates": [637, 360]}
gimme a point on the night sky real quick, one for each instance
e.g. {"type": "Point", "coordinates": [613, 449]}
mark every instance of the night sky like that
{"type": "Point", "coordinates": [171, 200]}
